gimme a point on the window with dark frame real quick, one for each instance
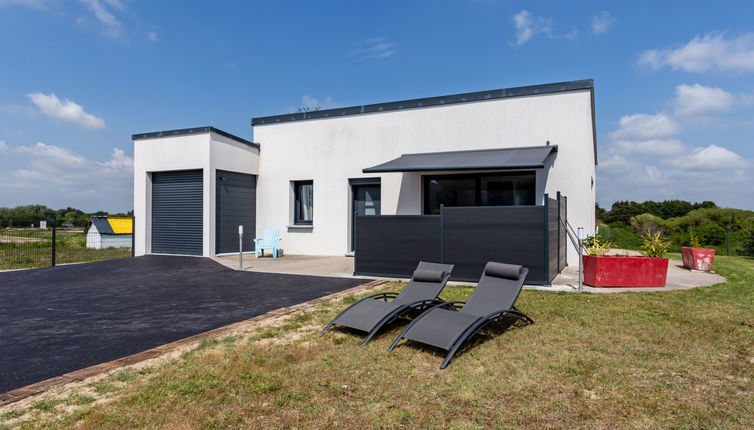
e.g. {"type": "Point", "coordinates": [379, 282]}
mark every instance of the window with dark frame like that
{"type": "Point", "coordinates": [479, 189]}
{"type": "Point", "coordinates": [303, 192]}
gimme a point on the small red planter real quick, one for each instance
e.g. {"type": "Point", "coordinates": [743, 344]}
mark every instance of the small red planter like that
{"type": "Point", "coordinates": [623, 271]}
{"type": "Point", "coordinates": [698, 258]}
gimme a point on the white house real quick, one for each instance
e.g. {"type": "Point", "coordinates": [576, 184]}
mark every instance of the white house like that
{"type": "Point", "coordinates": [105, 232]}
{"type": "Point", "coordinates": [308, 174]}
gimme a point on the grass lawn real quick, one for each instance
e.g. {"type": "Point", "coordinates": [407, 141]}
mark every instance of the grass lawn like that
{"type": "Point", "coordinates": [678, 359]}
{"type": "Point", "coordinates": [27, 248]}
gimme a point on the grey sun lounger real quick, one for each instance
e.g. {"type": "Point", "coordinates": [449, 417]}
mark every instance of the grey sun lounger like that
{"type": "Point", "coordinates": [446, 327]}
{"type": "Point", "coordinates": [371, 313]}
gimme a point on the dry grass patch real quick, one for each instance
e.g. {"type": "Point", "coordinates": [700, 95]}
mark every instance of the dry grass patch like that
{"type": "Point", "coordinates": [680, 359]}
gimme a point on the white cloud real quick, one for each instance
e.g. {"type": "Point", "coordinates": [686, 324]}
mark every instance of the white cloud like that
{"type": "Point", "coordinates": [118, 161]}
{"type": "Point", "coordinates": [601, 22]}
{"type": "Point", "coordinates": [374, 48]}
{"type": "Point", "coordinates": [34, 4]}
{"type": "Point", "coordinates": [654, 175]}
{"type": "Point", "coordinates": [571, 35]}
{"type": "Point", "coordinates": [312, 102]}
{"type": "Point", "coordinates": [650, 147]}
{"type": "Point", "coordinates": [646, 160]}
{"type": "Point", "coordinates": [152, 35]}
{"type": "Point", "coordinates": [55, 154]}
{"type": "Point", "coordinates": [59, 177]}
{"type": "Point", "coordinates": [697, 99]}
{"type": "Point", "coordinates": [106, 17]}
{"type": "Point", "coordinates": [711, 52]}
{"type": "Point", "coordinates": [116, 4]}
{"type": "Point", "coordinates": [711, 157]}
{"type": "Point", "coordinates": [643, 126]}
{"type": "Point", "coordinates": [528, 26]}
{"type": "Point", "coordinates": [3, 146]}
{"type": "Point", "coordinates": [66, 110]}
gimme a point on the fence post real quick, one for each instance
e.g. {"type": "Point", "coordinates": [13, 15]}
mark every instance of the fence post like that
{"type": "Point", "coordinates": [442, 233]}
{"type": "Point", "coordinates": [54, 239]}
{"type": "Point", "coordinates": [133, 236]}
{"type": "Point", "coordinates": [559, 202]}
{"type": "Point", "coordinates": [546, 252]}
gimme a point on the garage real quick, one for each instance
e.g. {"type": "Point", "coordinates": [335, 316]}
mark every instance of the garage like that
{"type": "Point", "coordinates": [235, 205]}
{"type": "Point", "coordinates": [177, 214]}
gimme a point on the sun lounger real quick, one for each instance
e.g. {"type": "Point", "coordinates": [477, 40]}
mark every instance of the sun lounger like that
{"type": "Point", "coordinates": [447, 325]}
{"type": "Point", "coordinates": [372, 313]}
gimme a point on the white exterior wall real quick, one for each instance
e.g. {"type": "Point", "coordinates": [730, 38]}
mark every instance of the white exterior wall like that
{"type": "Point", "coordinates": [332, 150]}
{"type": "Point", "coordinates": [207, 151]}
{"type": "Point", "coordinates": [93, 238]}
{"type": "Point", "coordinates": [98, 241]}
{"type": "Point", "coordinates": [115, 241]}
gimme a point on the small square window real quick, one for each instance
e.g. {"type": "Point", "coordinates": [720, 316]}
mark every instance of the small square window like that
{"type": "Point", "coordinates": [304, 202]}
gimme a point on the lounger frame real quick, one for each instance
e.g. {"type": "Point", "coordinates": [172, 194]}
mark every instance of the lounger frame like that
{"type": "Point", "coordinates": [420, 306]}
{"type": "Point", "coordinates": [471, 329]}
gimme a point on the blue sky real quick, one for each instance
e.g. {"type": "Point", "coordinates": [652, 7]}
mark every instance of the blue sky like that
{"type": "Point", "coordinates": [674, 87]}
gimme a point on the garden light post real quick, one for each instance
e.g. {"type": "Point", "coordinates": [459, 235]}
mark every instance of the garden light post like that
{"type": "Point", "coordinates": [580, 237]}
{"type": "Point", "coordinates": [240, 247]}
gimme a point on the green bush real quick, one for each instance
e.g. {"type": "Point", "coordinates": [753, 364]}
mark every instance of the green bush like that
{"type": "Point", "coordinates": [647, 223]}
{"type": "Point", "coordinates": [748, 244]}
{"type": "Point", "coordinates": [621, 237]}
{"type": "Point", "coordinates": [709, 234]}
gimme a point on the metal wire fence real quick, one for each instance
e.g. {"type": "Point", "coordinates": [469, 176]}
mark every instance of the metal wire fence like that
{"type": "Point", "coordinates": [27, 243]}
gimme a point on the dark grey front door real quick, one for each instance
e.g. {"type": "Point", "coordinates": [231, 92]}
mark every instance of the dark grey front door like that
{"type": "Point", "coordinates": [236, 203]}
{"type": "Point", "coordinates": [366, 201]}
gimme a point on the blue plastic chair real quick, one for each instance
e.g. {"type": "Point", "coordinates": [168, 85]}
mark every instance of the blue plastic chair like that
{"type": "Point", "coordinates": [269, 240]}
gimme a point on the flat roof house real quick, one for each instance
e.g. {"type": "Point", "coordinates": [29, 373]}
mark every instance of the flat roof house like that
{"type": "Point", "coordinates": [313, 174]}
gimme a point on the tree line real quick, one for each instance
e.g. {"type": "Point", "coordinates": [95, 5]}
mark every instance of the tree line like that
{"type": "Point", "coordinates": [64, 217]}
{"type": "Point", "coordinates": [683, 223]}
{"type": "Point", "coordinates": [624, 210]}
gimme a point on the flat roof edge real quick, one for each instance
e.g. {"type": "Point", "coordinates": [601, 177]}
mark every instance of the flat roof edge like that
{"type": "Point", "coordinates": [189, 131]}
{"type": "Point", "coordinates": [453, 169]}
{"type": "Point", "coordinates": [557, 87]}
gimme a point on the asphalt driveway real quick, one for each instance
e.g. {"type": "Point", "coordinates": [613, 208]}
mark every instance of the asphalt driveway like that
{"type": "Point", "coordinates": [57, 320]}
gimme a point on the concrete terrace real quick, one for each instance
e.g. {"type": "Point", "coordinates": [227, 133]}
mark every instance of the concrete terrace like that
{"type": "Point", "coordinates": [679, 278]}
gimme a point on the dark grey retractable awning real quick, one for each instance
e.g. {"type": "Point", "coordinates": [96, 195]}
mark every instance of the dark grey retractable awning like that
{"type": "Point", "coordinates": [531, 157]}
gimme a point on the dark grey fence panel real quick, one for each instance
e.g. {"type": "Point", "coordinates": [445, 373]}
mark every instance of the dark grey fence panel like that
{"type": "Point", "coordinates": [553, 234]}
{"type": "Point", "coordinates": [509, 234]}
{"type": "Point", "coordinates": [392, 245]}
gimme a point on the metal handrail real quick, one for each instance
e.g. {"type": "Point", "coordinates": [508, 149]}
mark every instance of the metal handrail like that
{"type": "Point", "coordinates": [579, 245]}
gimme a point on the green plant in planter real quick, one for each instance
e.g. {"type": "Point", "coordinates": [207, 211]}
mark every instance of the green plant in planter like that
{"type": "Point", "coordinates": [654, 245]}
{"type": "Point", "coordinates": [694, 242]}
{"type": "Point", "coordinates": [597, 246]}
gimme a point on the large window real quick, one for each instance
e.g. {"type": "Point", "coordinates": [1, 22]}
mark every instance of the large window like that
{"type": "Point", "coordinates": [479, 189]}
{"type": "Point", "coordinates": [303, 192]}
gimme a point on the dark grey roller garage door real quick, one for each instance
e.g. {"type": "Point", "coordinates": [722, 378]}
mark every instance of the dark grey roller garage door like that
{"type": "Point", "coordinates": [236, 205]}
{"type": "Point", "coordinates": [177, 212]}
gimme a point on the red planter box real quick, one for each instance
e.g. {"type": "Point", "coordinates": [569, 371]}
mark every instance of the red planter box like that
{"type": "Point", "coordinates": [621, 271]}
{"type": "Point", "coordinates": [698, 258]}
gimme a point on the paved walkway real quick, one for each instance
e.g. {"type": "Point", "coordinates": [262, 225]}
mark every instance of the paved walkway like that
{"type": "Point", "coordinates": [678, 277]}
{"type": "Point", "coordinates": [314, 265]}
{"type": "Point", "coordinates": [61, 319]}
